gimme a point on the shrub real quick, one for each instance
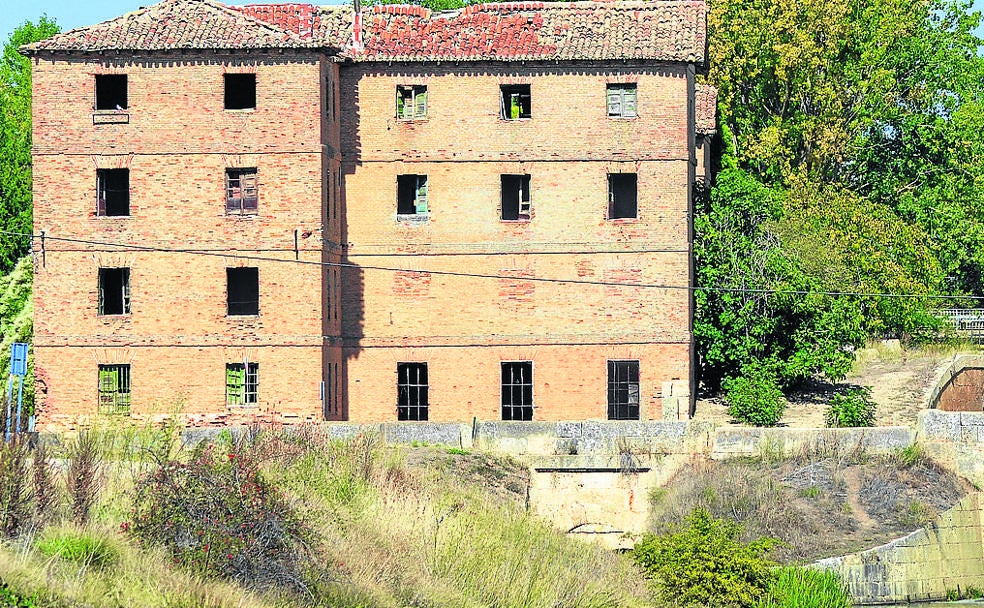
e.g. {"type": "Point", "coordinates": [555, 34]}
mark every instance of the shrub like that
{"type": "Point", "coordinates": [853, 408]}
{"type": "Point", "coordinates": [218, 516]}
{"type": "Point", "coordinates": [704, 564]}
{"type": "Point", "coordinates": [84, 548]}
{"type": "Point", "coordinates": [83, 476]}
{"type": "Point", "coordinates": [755, 397]}
{"type": "Point", "coordinates": [798, 587]}
{"type": "Point", "coordinates": [15, 499]}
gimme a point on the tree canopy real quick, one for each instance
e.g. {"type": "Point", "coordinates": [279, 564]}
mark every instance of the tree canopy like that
{"type": "Point", "coordinates": [854, 164]}
{"type": "Point", "coordinates": [15, 140]}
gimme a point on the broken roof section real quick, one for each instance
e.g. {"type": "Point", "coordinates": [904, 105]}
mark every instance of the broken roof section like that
{"type": "Point", "coordinates": [175, 25]}
{"type": "Point", "coordinates": [706, 109]}
{"type": "Point", "coordinates": [653, 30]}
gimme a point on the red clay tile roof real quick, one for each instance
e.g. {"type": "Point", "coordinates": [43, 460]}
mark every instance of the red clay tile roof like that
{"type": "Point", "coordinates": [175, 24]}
{"type": "Point", "coordinates": [706, 109]}
{"type": "Point", "coordinates": [660, 30]}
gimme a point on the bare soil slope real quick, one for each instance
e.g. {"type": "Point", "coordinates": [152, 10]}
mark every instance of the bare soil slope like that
{"type": "Point", "coordinates": [817, 507]}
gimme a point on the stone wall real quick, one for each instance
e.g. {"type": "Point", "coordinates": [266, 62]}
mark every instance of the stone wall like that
{"type": "Point", "coordinates": [925, 565]}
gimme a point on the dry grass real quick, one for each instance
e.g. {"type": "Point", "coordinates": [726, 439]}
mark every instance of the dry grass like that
{"type": "Point", "coordinates": [449, 530]}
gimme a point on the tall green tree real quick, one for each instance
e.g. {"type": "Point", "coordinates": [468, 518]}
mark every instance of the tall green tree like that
{"type": "Point", "coordinates": [15, 140]}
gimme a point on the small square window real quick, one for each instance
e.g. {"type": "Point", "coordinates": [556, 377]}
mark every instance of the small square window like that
{"type": "Point", "coordinates": [411, 192]}
{"type": "Point", "coordinates": [241, 191]}
{"type": "Point", "coordinates": [114, 291]}
{"type": "Point", "coordinates": [517, 390]}
{"type": "Point", "coordinates": [113, 192]}
{"type": "Point", "coordinates": [411, 102]}
{"type": "Point", "coordinates": [515, 197]}
{"type": "Point", "coordinates": [623, 390]}
{"type": "Point", "coordinates": [622, 196]}
{"type": "Point", "coordinates": [516, 101]}
{"type": "Point", "coordinates": [243, 291]}
{"type": "Point", "coordinates": [240, 91]}
{"type": "Point", "coordinates": [111, 92]}
{"type": "Point", "coordinates": [242, 383]}
{"type": "Point", "coordinates": [622, 100]}
{"type": "Point", "coordinates": [114, 389]}
{"type": "Point", "coordinates": [411, 391]}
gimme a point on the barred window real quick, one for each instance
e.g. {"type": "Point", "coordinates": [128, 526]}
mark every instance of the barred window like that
{"type": "Point", "coordinates": [242, 383]}
{"type": "Point", "coordinates": [623, 390]}
{"type": "Point", "coordinates": [114, 389]}
{"type": "Point", "coordinates": [411, 391]}
{"type": "Point", "coordinates": [517, 390]}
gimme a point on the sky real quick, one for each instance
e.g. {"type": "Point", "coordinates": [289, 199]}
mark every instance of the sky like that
{"type": "Point", "coordinates": [76, 13]}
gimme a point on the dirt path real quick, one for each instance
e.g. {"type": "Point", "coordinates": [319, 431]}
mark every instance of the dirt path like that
{"type": "Point", "coordinates": [900, 379]}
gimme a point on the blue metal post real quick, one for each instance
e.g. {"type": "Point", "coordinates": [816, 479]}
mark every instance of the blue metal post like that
{"type": "Point", "coordinates": [20, 402]}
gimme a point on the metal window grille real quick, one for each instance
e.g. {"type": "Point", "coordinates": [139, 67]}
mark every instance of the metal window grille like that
{"type": "Point", "coordinates": [114, 291]}
{"type": "Point", "coordinates": [114, 389]}
{"type": "Point", "coordinates": [241, 191]}
{"type": "Point", "coordinates": [412, 396]}
{"type": "Point", "coordinates": [411, 102]}
{"type": "Point", "coordinates": [622, 100]}
{"type": "Point", "coordinates": [623, 390]}
{"type": "Point", "coordinates": [517, 390]}
{"type": "Point", "coordinates": [242, 383]}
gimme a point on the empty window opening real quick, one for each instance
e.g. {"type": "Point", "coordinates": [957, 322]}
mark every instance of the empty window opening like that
{"type": "Point", "coordinates": [114, 291]}
{"type": "Point", "coordinates": [243, 294]}
{"type": "Point", "coordinates": [240, 91]}
{"type": "Point", "coordinates": [241, 191]}
{"type": "Point", "coordinates": [113, 192]}
{"type": "Point", "coordinates": [114, 389]}
{"type": "Point", "coordinates": [411, 391]}
{"type": "Point", "coordinates": [622, 196]}
{"type": "Point", "coordinates": [411, 102]}
{"type": "Point", "coordinates": [623, 390]}
{"type": "Point", "coordinates": [516, 101]}
{"type": "Point", "coordinates": [111, 92]}
{"type": "Point", "coordinates": [622, 100]}
{"type": "Point", "coordinates": [411, 194]}
{"type": "Point", "coordinates": [242, 383]}
{"type": "Point", "coordinates": [517, 390]}
{"type": "Point", "coordinates": [515, 197]}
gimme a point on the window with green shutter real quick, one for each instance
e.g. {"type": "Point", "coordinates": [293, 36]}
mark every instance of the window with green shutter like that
{"type": "Point", "coordinates": [411, 102]}
{"type": "Point", "coordinates": [242, 383]}
{"type": "Point", "coordinates": [622, 100]}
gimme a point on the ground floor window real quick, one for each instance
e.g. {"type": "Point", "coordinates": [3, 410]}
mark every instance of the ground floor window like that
{"type": "Point", "coordinates": [114, 389]}
{"type": "Point", "coordinates": [623, 390]}
{"type": "Point", "coordinates": [411, 391]}
{"type": "Point", "coordinates": [242, 383]}
{"type": "Point", "coordinates": [517, 390]}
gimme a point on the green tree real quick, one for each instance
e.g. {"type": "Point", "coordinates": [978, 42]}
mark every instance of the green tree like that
{"type": "Point", "coordinates": [15, 140]}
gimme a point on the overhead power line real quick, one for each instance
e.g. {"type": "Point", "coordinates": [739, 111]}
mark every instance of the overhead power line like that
{"type": "Point", "coordinates": [234, 254]}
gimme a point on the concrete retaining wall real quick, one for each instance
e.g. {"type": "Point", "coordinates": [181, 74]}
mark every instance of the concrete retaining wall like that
{"type": "Point", "coordinates": [948, 555]}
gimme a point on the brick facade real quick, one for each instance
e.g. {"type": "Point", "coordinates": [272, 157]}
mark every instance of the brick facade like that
{"type": "Point", "coordinates": [349, 289]}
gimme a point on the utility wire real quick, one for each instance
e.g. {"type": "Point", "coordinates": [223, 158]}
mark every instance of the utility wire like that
{"type": "Point", "coordinates": [229, 254]}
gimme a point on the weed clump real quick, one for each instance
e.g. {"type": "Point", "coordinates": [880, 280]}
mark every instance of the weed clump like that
{"type": "Point", "coordinates": [83, 548]}
{"type": "Point", "coordinates": [218, 516]}
{"type": "Point", "coordinates": [798, 587]}
{"type": "Point", "coordinates": [854, 408]}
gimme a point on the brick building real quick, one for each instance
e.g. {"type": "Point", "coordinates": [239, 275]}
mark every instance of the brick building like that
{"type": "Point", "coordinates": [295, 212]}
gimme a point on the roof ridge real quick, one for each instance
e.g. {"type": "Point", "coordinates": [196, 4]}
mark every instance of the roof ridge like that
{"type": "Point", "coordinates": [234, 12]}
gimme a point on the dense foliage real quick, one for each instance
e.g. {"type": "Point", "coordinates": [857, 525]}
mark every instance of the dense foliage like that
{"type": "Point", "coordinates": [15, 140]}
{"type": "Point", "coordinates": [705, 564]}
{"type": "Point", "coordinates": [17, 323]}
{"type": "Point", "coordinates": [853, 164]}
